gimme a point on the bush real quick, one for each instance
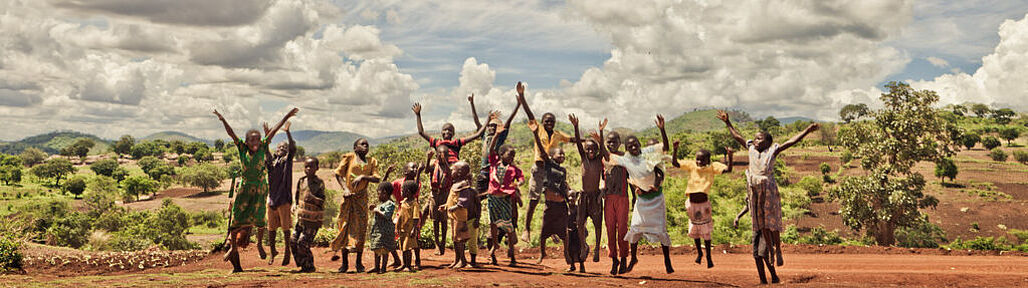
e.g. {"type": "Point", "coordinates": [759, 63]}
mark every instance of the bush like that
{"type": "Point", "coordinates": [1021, 156]}
{"type": "Point", "coordinates": [846, 157]}
{"type": "Point", "coordinates": [326, 235]}
{"type": "Point", "coordinates": [209, 219]}
{"type": "Point", "coordinates": [10, 254]}
{"type": "Point", "coordinates": [998, 155]}
{"type": "Point", "coordinates": [206, 176]}
{"type": "Point", "coordinates": [72, 230]}
{"type": "Point", "coordinates": [75, 185]}
{"type": "Point", "coordinates": [980, 243]}
{"type": "Point", "coordinates": [922, 235]}
{"type": "Point", "coordinates": [10, 173]}
{"type": "Point", "coordinates": [105, 167]}
{"type": "Point", "coordinates": [32, 156]}
{"type": "Point", "coordinates": [969, 140]}
{"type": "Point", "coordinates": [127, 242]}
{"type": "Point", "coordinates": [945, 168]}
{"type": "Point", "coordinates": [990, 142]}
{"type": "Point", "coordinates": [1021, 235]}
{"type": "Point", "coordinates": [139, 185]}
{"type": "Point", "coordinates": [101, 195]}
{"type": "Point", "coordinates": [811, 184]}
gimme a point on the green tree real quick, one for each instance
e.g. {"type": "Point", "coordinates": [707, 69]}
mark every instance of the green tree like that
{"type": "Point", "coordinates": [969, 140]}
{"type": "Point", "coordinates": [139, 185]}
{"type": "Point", "coordinates": [75, 186]}
{"type": "Point", "coordinates": [101, 196]}
{"type": "Point", "coordinates": [206, 176]}
{"type": "Point", "coordinates": [1003, 116]}
{"type": "Point", "coordinates": [990, 142]}
{"type": "Point", "coordinates": [178, 147]}
{"type": "Point", "coordinates": [945, 168]}
{"type": "Point", "coordinates": [300, 152]}
{"type": "Point", "coordinates": [907, 130]}
{"type": "Point", "coordinates": [32, 156]}
{"type": "Point", "coordinates": [980, 110]}
{"type": "Point", "coordinates": [80, 148]}
{"type": "Point", "coordinates": [55, 169]}
{"type": "Point", "coordinates": [120, 174]}
{"type": "Point", "coordinates": [1009, 134]}
{"type": "Point", "coordinates": [146, 148]}
{"type": "Point", "coordinates": [155, 168]}
{"type": "Point", "coordinates": [124, 145]}
{"type": "Point", "coordinates": [998, 155]}
{"type": "Point", "coordinates": [194, 147]}
{"type": "Point", "coordinates": [718, 141]}
{"type": "Point", "coordinates": [852, 112]}
{"type": "Point", "coordinates": [105, 167]}
{"type": "Point", "coordinates": [203, 155]}
{"type": "Point", "coordinates": [219, 144]}
{"type": "Point", "coordinates": [10, 173]}
{"type": "Point", "coordinates": [768, 124]}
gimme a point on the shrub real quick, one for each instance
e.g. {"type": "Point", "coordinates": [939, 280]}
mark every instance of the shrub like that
{"type": "Point", "coordinates": [969, 140]}
{"type": "Point", "coordinates": [55, 168]}
{"type": "Point", "coordinates": [811, 184]}
{"type": "Point", "coordinates": [72, 230]}
{"type": "Point", "coordinates": [100, 197]}
{"type": "Point", "coordinates": [32, 156]}
{"type": "Point", "coordinates": [326, 235]}
{"type": "Point", "coordinates": [105, 167]}
{"type": "Point", "coordinates": [922, 235]}
{"type": "Point", "coordinates": [75, 185]}
{"type": "Point", "coordinates": [998, 155]}
{"type": "Point", "coordinates": [209, 219]}
{"type": "Point", "coordinates": [206, 176]}
{"type": "Point", "coordinates": [846, 157]}
{"type": "Point", "coordinates": [945, 168]}
{"type": "Point", "coordinates": [980, 243]}
{"type": "Point", "coordinates": [127, 242]}
{"type": "Point", "coordinates": [817, 236]}
{"type": "Point", "coordinates": [10, 254]}
{"type": "Point", "coordinates": [990, 142]}
{"type": "Point", "coordinates": [139, 185]}
{"type": "Point", "coordinates": [10, 173]}
{"type": "Point", "coordinates": [1021, 235]}
{"type": "Point", "coordinates": [1021, 156]}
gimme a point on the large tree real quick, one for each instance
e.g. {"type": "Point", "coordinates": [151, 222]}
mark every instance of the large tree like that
{"type": "Point", "coordinates": [105, 167]}
{"type": "Point", "coordinates": [206, 176]}
{"type": "Point", "coordinates": [55, 168]}
{"type": "Point", "coordinates": [852, 112]}
{"type": "Point", "coordinates": [907, 130]}
{"type": "Point", "coordinates": [1009, 133]}
{"type": "Point", "coordinates": [155, 168]}
{"type": "Point", "coordinates": [139, 185]}
{"type": "Point", "coordinates": [124, 145]}
{"type": "Point", "coordinates": [32, 156]}
{"type": "Point", "coordinates": [80, 148]}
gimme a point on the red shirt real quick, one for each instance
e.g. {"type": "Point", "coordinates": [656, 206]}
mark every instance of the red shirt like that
{"type": "Point", "coordinates": [508, 184]}
{"type": "Point", "coordinates": [398, 190]}
{"type": "Point", "coordinates": [453, 144]}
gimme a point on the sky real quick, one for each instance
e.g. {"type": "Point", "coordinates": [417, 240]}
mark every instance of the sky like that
{"type": "Point", "coordinates": [116, 67]}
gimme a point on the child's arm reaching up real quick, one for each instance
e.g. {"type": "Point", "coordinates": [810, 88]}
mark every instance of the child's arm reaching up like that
{"type": "Point", "coordinates": [728, 159]}
{"type": "Point", "coordinates": [271, 135]}
{"type": "Point", "coordinates": [545, 155]}
{"type": "Point", "coordinates": [603, 147]}
{"type": "Point", "coordinates": [474, 113]}
{"type": "Point", "coordinates": [674, 156]}
{"type": "Point", "coordinates": [663, 134]}
{"type": "Point", "coordinates": [481, 129]}
{"type": "Point", "coordinates": [228, 128]}
{"type": "Point", "coordinates": [578, 135]}
{"type": "Point", "coordinates": [721, 114]}
{"type": "Point", "coordinates": [521, 99]}
{"type": "Point", "coordinates": [421, 128]}
{"type": "Point", "coordinates": [799, 137]}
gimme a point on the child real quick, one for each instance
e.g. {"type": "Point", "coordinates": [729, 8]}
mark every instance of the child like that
{"type": "Point", "coordinates": [548, 138]}
{"type": "Point", "coordinates": [591, 202]}
{"type": "Point", "coordinates": [441, 186]}
{"type": "Point", "coordinates": [356, 170]}
{"type": "Point", "coordinates": [495, 129]}
{"type": "Point", "coordinates": [248, 208]}
{"type": "Point", "coordinates": [701, 177]}
{"type": "Point", "coordinates": [280, 205]}
{"type": "Point", "coordinates": [649, 218]}
{"type": "Point", "coordinates": [311, 214]}
{"type": "Point", "coordinates": [577, 250]}
{"type": "Point", "coordinates": [615, 203]}
{"type": "Point", "coordinates": [458, 203]}
{"type": "Point", "coordinates": [555, 216]}
{"type": "Point", "coordinates": [504, 179]}
{"type": "Point", "coordinates": [765, 202]}
{"type": "Point", "coordinates": [383, 237]}
{"type": "Point", "coordinates": [412, 174]}
{"type": "Point", "coordinates": [407, 220]}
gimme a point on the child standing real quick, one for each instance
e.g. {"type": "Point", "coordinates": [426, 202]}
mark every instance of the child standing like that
{"type": "Point", "coordinates": [576, 249]}
{"type": "Point", "coordinates": [248, 208]}
{"type": "Point", "coordinates": [504, 178]}
{"type": "Point", "coordinates": [383, 237]}
{"type": "Point", "coordinates": [311, 213]}
{"type": "Point", "coordinates": [555, 188]}
{"type": "Point", "coordinates": [280, 204]}
{"type": "Point", "coordinates": [457, 205]}
{"type": "Point", "coordinates": [407, 220]}
{"type": "Point", "coordinates": [615, 203]}
{"type": "Point", "coordinates": [495, 130]}
{"type": "Point", "coordinates": [356, 170]}
{"type": "Point", "coordinates": [649, 218]}
{"type": "Point", "coordinates": [590, 204]}
{"type": "Point", "coordinates": [765, 202]}
{"type": "Point", "coordinates": [701, 177]}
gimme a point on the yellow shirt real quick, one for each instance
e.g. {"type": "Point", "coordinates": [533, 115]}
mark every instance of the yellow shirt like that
{"type": "Point", "coordinates": [701, 178]}
{"type": "Point", "coordinates": [548, 140]}
{"type": "Point", "coordinates": [351, 166]}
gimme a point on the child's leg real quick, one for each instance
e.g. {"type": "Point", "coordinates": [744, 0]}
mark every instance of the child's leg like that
{"type": "Point", "coordinates": [396, 259]}
{"type": "Point", "coordinates": [345, 260]}
{"type": "Point", "coordinates": [527, 235]}
{"type": "Point", "coordinates": [260, 245]}
{"type": "Point", "coordinates": [493, 242]}
{"type": "Point", "coordinates": [667, 259]}
{"type": "Point", "coordinates": [776, 236]}
{"type": "Point", "coordinates": [542, 248]}
{"type": "Point", "coordinates": [570, 257]}
{"type": "Point", "coordinates": [699, 251]}
{"type": "Point", "coordinates": [597, 225]}
{"type": "Point", "coordinates": [271, 243]}
{"type": "Point", "coordinates": [417, 258]}
{"type": "Point", "coordinates": [378, 261]}
{"type": "Point", "coordinates": [511, 253]}
{"type": "Point", "coordinates": [458, 248]}
{"type": "Point", "coordinates": [635, 257]}
{"type": "Point", "coordinates": [710, 263]}
{"type": "Point", "coordinates": [286, 246]}
{"type": "Point", "coordinates": [760, 269]}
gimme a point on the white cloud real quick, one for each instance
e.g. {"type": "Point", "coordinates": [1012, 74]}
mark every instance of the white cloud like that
{"type": "Point", "coordinates": [937, 62]}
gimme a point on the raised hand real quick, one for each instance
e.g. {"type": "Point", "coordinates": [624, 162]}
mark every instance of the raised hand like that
{"type": "Point", "coordinates": [813, 127]}
{"type": "Point", "coordinates": [293, 112]}
{"type": "Point", "coordinates": [660, 121]}
{"type": "Point", "coordinates": [521, 89]}
{"type": "Point", "coordinates": [266, 129]}
{"type": "Point", "coordinates": [286, 127]}
{"type": "Point", "coordinates": [219, 114]}
{"type": "Point", "coordinates": [596, 136]}
{"type": "Point", "coordinates": [573, 119]}
{"type": "Point", "coordinates": [471, 98]}
{"type": "Point", "coordinates": [533, 126]}
{"type": "Point", "coordinates": [603, 124]}
{"type": "Point", "coordinates": [495, 114]}
{"type": "Point", "coordinates": [721, 114]}
{"type": "Point", "coordinates": [390, 169]}
{"type": "Point", "coordinates": [416, 109]}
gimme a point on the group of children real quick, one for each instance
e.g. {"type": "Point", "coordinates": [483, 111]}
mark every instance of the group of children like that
{"type": "Point", "coordinates": [612, 179]}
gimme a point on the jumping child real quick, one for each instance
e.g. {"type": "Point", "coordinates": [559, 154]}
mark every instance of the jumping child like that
{"type": "Point", "coordinates": [248, 208]}
{"type": "Point", "coordinates": [555, 189]}
{"type": "Point", "coordinates": [280, 202]}
{"type": "Point", "coordinates": [441, 186]}
{"type": "Point", "coordinates": [356, 170]}
{"type": "Point", "coordinates": [458, 203]}
{"type": "Point", "coordinates": [649, 218]}
{"type": "Point", "coordinates": [310, 213]}
{"type": "Point", "coordinates": [615, 202]}
{"type": "Point", "coordinates": [590, 204]}
{"type": "Point", "coordinates": [701, 177]}
{"type": "Point", "coordinates": [495, 129]}
{"type": "Point", "coordinates": [765, 202]}
{"type": "Point", "coordinates": [504, 179]}
{"type": "Point", "coordinates": [383, 237]}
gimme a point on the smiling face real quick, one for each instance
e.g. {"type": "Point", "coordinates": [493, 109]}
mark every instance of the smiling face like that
{"type": "Point", "coordinates": [633, 146]}
{"type": "Point", "coordinates": [490, 129]}
{"type": "Point", "coordinates": [591, 149]}
{"type": "Point", "coordinates": [410, 171]}
{"type": "Point", "coordinates": [702, 158]}
{"type": "Point", "coordinates": [762, 141]}
{"type": "Point", "coordinates": [613, 142]}
{"type": "Point", "coordinates": [253, 140]}
{"type": "Point", "coordinates": [507, 154]}
{"type": "Point", "coordinates": [549, 121]}
{"type": "Point", "coordinates": [447, 131]}
{"type": "Point", "coordinates": [385, 190]}
{"type": "Point", "coordinates": [558, 155]}
{"type": "Point", "coordinates": [361, 146]}
{"type": "Point", "coordinates": [461, 170]}
{"type": "Point", "coordinates": [282, 149]}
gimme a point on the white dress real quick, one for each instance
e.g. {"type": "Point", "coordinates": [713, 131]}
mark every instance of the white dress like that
{"type": "Point", "coordinates": [649, 217]}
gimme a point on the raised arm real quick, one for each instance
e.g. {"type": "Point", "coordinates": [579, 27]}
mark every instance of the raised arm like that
{"type": "Point", "coordinates": [481, 128]}
{"type": "Point", "coordinates": [728, 159]}
{"type": "Point", "coordinates": [271, 135]}
{"type": "Point", "coordinates": [506, 125]}
{"type": "Point", "coordinates": [421, 128]}
{"type": "Point", "coordinates": [674, 155]}
{"type": "Point", "coordinates": [721, 114]}
{"type": "Point", "coordinates": [603, 147]}
{"type": "Point", "coordinates": [799, 137]}
{"type": "Point", "coordinates": [388, 171]}
{"type": "Point", "coordinates": [292, 143]}
{"type": "Point", "coordinates": [228, 128]}
{"type": "Point", "coordinates": [521, 99]}
{"type": "Point", "coordinates": [545, 155]}
{"type": "Point", "coordinates": [663, 133]}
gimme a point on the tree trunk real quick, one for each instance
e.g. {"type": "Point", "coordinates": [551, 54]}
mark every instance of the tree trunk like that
{"type": "Point", "coordinates": [885, 233]}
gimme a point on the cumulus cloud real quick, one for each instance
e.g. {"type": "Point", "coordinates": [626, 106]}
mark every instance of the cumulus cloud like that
{"type": "Point", "coordinates": [184, 12]}
{"type": "Point", "coordinates": [1001, 78]}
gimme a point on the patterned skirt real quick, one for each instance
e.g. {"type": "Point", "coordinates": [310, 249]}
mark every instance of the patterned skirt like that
{"type": "Point", "coordinates": [249, 206]}
{"type": "Point", "coordinates": [500, 213]}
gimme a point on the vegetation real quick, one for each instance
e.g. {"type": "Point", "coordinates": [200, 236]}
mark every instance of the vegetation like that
{"type": "Point", "coordinates": [55, 168]}
{"type": "Point", "coordinates": [998, 155]}
{"type": "Point", "coordinates": [1021, 156]}
{"type": "Point", "coordinates": [206, 176]}
{"type": "Point", "coordinates": [990, 142]}
{"type": "Point", "coordinates": [945, 168]}
{"type": "Point", "coordinates": [1009, 134]}
{"type": "Point", "coordinates": [105, 167]}
{"type": "Point", "coordinates": [32, 156]}
{"type": "Point", "coordinates": [852, 112]}
{"type": "Point", "coordinates": [970, 139]}
{"type": "Point", "coordinates": [75, 186]}
{"type": "Point", "coordinates": [80, 148]}
{"type": "Point", "coordinates": [155, 168]}
{"type": "Point", "coordinates": [10, 254]}
{"type": "Point", "coordinates": [139, 185]}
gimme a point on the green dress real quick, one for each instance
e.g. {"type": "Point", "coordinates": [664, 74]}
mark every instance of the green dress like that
{"type": "Point", "coordinates": [249, 207]}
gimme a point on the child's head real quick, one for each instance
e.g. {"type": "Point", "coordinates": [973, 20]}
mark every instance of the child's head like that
{"type": "Point", "coordinates": [702, 157]}
{"type": "Point", "coordinates": [310, 166]}
{"type": "Point", "coordinates": [282, 149]}
{"type": "Point", "coordinates": [461, 171]}
{"type": "Point", "coordinates": [762, 140]}
{"type": "Point", "coordinates": [613, 141]}
{"type": "Point", "coordinates": [442, 153]}
{"type": "Point", "coordinates": [253, 140]}
{"type": "Point", "coordinates": [573, 197]}
{"type": "Point", "coordinates": [490, 128]}
{"type": "Point", "coordinates": [632, 145]}
{"type": "Point", "coordinates": [507, 154]}
{"type": "Point", "coordinates": [410, 171]}
{"type": "Point", "coordinates": [549, 121]}
{"type": "Point", "coordinates": [557, 154]}
{"type": "Point", "coordinates": [410, 188]}
{"type": "Point", "coordinates": [361, 146]}
{"type": "Point", "coordinates": [385, 190]}
{"type": "Point", "coordinates": [591, 148]}
{"type": "Point", "coordinates": [447, 131]}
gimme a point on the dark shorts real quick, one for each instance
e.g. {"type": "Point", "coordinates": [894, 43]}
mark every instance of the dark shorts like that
{"type": "Point", "coordinates": [590, 206]}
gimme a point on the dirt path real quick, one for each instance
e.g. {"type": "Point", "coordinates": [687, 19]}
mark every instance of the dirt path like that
{"type": "Point", "coordinates": [733, 269]}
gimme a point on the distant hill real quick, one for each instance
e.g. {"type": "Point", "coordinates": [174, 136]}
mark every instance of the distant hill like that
{"type": "Point", "coordinates": [696, 121]}
{"type": "Point", "coordinates": [52, 143]}
{"type": "Point", "coordinates": [315, 142]}
{"type": "Point", "coordinates": [175, 135]}
{"type": "Point", "coordinates": [790, 120]}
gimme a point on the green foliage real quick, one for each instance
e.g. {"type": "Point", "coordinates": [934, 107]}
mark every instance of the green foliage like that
{"type": "Point", "coordinates": [979, 109]}
{"type": "Point", "coordinates": [881, 204]}
{"type": "Point", "coordinates": [980, 243]}
{"type": "Point", "coordinates": [165, 227]}
{"type": "Point", "coordinates": [100, 196]}
{"type": "Point", "coordinates": [209, 219]}
{"type": "Point", "coordinates": [1021, 156]}
{"type": "Point", "coordinates": [1021, 235]}
{"type": "Point", "coordinates": [1003, 115]}
{"type": "Point", "coordinates": [80, 148]}
{"type": "Point", "coordinates": [330, 159]}
{"type": "Point", "coordinates": [205, 175]}
{"type": "Point", "coordinates": [105, 167]}
{"type": "Point", "coordinates": [182, 160]}
{"type": "Point", "coordinates": [970, 139]}
{"type": "Point", "coordinates": [194, 147]}
{"type": "Point", "coordinates": [846, 157]}
{"type": "Point", "coordinates": [990, 142]}
{"type": "Point", "coordinates": [1009, 133]}
{"type": "Point", "coordinates": [72, 230]}
{"type": "Point", "coordinates": [945, 168]}
{"type": "Point", "coordinates": [147, 148]}
{"type": "Point", "coordinates": [922, 234]}
{"type": "Point", "coordinates": [721, 139]}
{"type": "Point", "coordinates": [55, 169]}
{"type": "Point", "coordinates": [998, 155]}
{"type": "Point", "coordinates": [769, 124]}
{"type": "Point", "coordinates": [155, 168]}
{"type": "Point", "coordinates": [852, 112]}
{"type": "Point", "coordinates": [178, 147]}
{"type": "Point", "coordinates": [10, 173]}
{"type": "Point", "coordinates": [139, 185]}
{"type": "Point", "coordinates": [75, 185]}
{"type": "Point", "coordinates": [230, 153]}
{"type": "Point", "coordinates": [32, 156]}
{"type": "Point", "coordinates": [203, 155]}
{"type": "Point", "coordinates": [817, 236]}
{"type": "Point", "coordinates": [325, 236]}
{"type": "Point", "coordinates": [124, 145]}
{"type": "Point", "coordinates": [10, 254]}
{"type": "Point", "coordinates": [810, 184]}
{"type": "Point", "coordinates": [219, 144]}
{"type": "Point", "coordinates": [300, 152]}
